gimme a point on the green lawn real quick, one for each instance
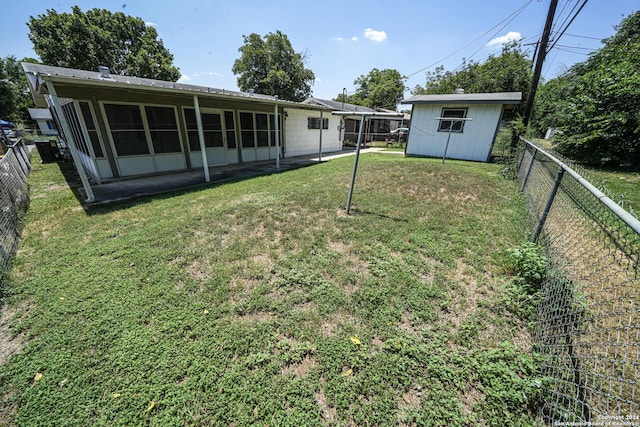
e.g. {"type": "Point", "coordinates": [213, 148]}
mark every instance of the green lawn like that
{"type": "Point", "coordinates": [259, 302]}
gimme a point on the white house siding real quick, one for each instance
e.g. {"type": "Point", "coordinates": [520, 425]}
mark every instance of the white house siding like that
{"type": "Point", "coordinates": [474, 143]}
{"type": "Point", "coordinates": [301, 141]}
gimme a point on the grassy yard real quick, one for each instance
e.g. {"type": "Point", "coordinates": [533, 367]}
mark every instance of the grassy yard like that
{"type": "Point", "coordinates": [259, 302]}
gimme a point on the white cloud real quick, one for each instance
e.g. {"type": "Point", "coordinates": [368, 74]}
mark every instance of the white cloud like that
{"type": "Point", "coordinates": [509, 37]}
{"type": "Point", "coordinates": [183, 78]}
{"type": "Point", "coordinates": [342, 39]}
{"type": "Point", "coordinates": [150, 24]}
{"type": "Point", "coordinates": [375, 35]}
{"type": "Point", "coordinates": [207, 74]}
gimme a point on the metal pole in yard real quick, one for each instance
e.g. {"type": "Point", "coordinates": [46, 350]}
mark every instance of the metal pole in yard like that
{"type": "Point", "coordinates": [452, 119]}
{"type": "Point", "coordinates": [355, 166]}
{"type": "Point", "coordinates": [547, 207]}
{"type": "Point", "coordinates": [446, 147]}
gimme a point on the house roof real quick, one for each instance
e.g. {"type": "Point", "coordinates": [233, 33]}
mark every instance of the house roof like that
{"type": "Point", "coordinates": [40, 113]}
{"type": "Point", "coordinates": [467, 98]}
{"type": "Point", "coordinates": [337, 105]}
{"type": "Point", "coordinates": [37, 74]}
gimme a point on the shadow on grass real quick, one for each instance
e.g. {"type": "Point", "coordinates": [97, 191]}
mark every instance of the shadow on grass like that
{"type": "Point", "coordinates": [142, 196]}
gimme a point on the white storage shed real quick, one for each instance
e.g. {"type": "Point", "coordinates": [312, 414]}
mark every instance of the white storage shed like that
{"type": "Point", "coordinates": [464, 125]}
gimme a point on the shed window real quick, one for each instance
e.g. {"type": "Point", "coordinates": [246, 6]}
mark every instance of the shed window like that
{"type": "Point", "coordinates": [314, 123]}
{"type": "Point", "coordinates": [453, 125]}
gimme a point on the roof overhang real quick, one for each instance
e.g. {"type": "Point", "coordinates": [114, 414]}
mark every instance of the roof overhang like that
{"type": "Point", "coordinates": [38, 75]}
{"type": "Point", "coordinates": [467, 98]}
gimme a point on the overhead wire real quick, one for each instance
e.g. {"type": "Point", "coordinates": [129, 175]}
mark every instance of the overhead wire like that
{"type": "Point", "coordinates": [516, 13]}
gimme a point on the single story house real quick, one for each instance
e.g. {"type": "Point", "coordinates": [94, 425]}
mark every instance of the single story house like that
{"type": "Point", "coordinates": [44, 120]}
{"type": "Point", "coordinates": [122, 126]}
{"type": "Point", "coordinates": [377, 128]}
{"type": "Point", "coordinates": [460, 126]}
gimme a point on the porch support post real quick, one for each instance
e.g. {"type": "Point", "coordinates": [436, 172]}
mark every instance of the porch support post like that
{"type": "Point", "coordinates": [320, 145]}
{"type": "Point", "coordinates": [70, 142]}
{"type": "Point", "coordinates": [203, 149]}
{"type": "Point", "coordinates": [277, 134]}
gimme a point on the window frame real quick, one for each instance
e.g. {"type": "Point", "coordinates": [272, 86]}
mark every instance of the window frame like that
{"type": "Point", "coordinates": [145, 127]}
{"type": "Point", "coordinates": [453, 125]}
{"type": "Point", "coordinates": [314, 123]}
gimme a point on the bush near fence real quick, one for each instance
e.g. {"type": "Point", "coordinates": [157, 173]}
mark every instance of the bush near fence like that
{"type": "Point", "coordinates": [14, 201]}
{"type": "Point", "coordinates": [588, 314]}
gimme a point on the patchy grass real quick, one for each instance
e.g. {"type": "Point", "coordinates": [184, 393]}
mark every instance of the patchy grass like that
{"type": "Point", "coordinates": [260, 302]}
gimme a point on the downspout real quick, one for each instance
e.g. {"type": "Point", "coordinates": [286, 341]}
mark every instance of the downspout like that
{"type": "Point", "coordinates": [70, 142]}
{"type": "Point", "coordinates": [203, 149]}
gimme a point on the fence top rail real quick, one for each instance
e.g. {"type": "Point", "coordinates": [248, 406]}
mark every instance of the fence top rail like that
{"type": "Point", "coordinates": [625, 216]}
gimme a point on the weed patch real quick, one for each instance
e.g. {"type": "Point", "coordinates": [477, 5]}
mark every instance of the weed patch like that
{"type": "Point", "coordinates": [260, 302]}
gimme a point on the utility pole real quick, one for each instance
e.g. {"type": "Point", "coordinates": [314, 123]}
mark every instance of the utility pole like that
{"type": "Point", "coordinates": [542, 53]}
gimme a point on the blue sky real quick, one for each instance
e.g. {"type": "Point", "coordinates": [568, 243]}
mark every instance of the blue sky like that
{"type": "Point", "coordinates": [343, 39]}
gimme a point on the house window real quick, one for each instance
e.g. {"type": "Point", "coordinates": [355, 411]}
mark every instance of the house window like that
{"type": "Point", "coordinates": [127, 129]}
{"type": "Point", "coordinates": [163, 129]}
{"type": "Point", "coordinates": [452, 125]}
{"type": "Point", "coordinates": [314, 123]}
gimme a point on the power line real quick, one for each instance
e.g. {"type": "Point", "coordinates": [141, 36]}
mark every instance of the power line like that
{"type": "Point", "coordinates": [517, 12]}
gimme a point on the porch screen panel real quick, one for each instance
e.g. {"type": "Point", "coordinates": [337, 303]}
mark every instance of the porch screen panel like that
{"type": "Point", "coordinates": [163, 128]}
{"type": "Point", "coordinates": [230, 126]}
{"type": "Point", "coordinates": [127, 129]}
{"type": "Point", "coordinates": [211, 128]}
{"type": "Point", "coordinates": [272, 129]}
{"type": "Point", "coordinates": [69, 112]}
{"type": "Point", "coordinates": [262, 126]}
{"type": "Point", "coordinates": [247, 130]}
{"type": "Point", "coordinates": [91, 129]}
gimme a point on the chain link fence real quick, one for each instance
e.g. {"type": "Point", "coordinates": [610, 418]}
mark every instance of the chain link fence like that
{"type": "Point", "coordinates": [14, 201]}
{"type": "Point", "coordinates": [588, 314]}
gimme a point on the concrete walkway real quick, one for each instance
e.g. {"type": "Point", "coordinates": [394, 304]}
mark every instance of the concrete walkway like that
{"type": "Point", "coordinates": [126, 189]}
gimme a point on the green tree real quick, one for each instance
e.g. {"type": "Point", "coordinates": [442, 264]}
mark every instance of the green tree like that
{"type": "Point", "coordinates": [508, 72]}
{"type": "Point", "coordinates": [380, 88]}
{"type": "Point", "coordinates": [14, 92]}
{"type": "Point", "coordinates": [597, 118]}
{"type": "Point", "coordinates": [269, 65]}
{"type": "Point", "coordinates": [99, 37]}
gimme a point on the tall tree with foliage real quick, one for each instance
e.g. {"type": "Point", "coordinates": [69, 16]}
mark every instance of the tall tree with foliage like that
{"type": "Point", "coordinates": [99, 37]}
{"type": "Point", "coordinates": [380, 88]}
{"type": "Point", "coordinates": [269, 65]}
{"type": "Point", "coordinates": [14, 92]}
{"type": "Point", "coordinates": [598, 122]}
{"type": "Point", "coordinates": [508, 72]}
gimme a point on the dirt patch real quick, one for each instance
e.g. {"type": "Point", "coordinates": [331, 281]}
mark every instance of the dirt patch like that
{"type": "Point", "coordinates": [10, 345]}
{"type": "Point", "coordinates": [410, 400]}
{"type": "Point", "coordinates": [469, 397]}
{"type": "Point", "coordinates": [300, 369]}
{"type": "Point", "coordinates": [328, 412]}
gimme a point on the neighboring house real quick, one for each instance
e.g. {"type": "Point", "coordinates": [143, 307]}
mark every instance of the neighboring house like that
{"type": "Point", "coordinates": [437, 125]}
{"type": "Point", "coordinates": [121, 126]}
{"type": "Point", "coordinates": [42, 116]}
{"type": "Point", "coordinates": [376, 129]}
